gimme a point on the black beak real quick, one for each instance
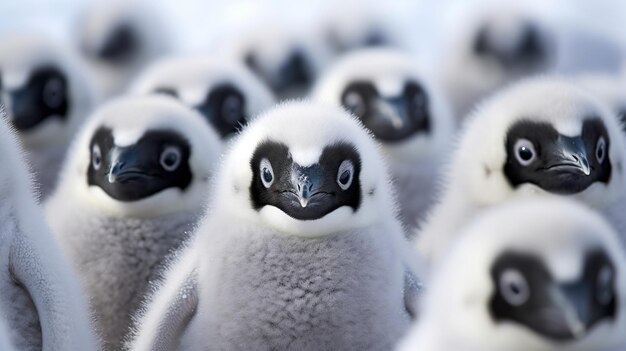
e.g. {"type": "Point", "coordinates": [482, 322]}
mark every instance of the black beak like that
{"type": "Point", "coordinates": [307, 182]}
{"type": "Point", "coordinates": [23, 113]}
{"type": "Point", "coordinates": [568, 155]}
{"type": "Point", "coordinates": [573, 319]}
{"type": "Point", "coordinates": [126, 166]}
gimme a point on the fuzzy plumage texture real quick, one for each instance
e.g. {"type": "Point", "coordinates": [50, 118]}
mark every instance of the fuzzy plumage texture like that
{"type": "Point", "coordinates": [118, 257]}
{"type": "Point", "coordinates": [46, 143]}
{"type": "Point", "coordinates": [118, 247]}
{"type": "Point", "coordinates": [40, 297]}
{"type": "Point", "coordinates": [475, 176]}
{"type": "Point", "coordinates": [455, 313]}
{"type": "Point", "coordinates": [264, 280]}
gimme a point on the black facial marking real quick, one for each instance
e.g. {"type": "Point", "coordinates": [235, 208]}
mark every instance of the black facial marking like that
{"type": "Point", "coordinates": [538, 154]}
{"type": "Point", "coordinates": [225, 109]}
{"type": "Point", "coordinates": [293, 73]}
{"type": "Point", "coordinates": [305, 193]}
{"type": "Point", "coordinates": [526, 293]}
{"type": "Point", "coordinates": [158, 161]}
{"type": "Point", "coordinates": [390, 119]}
{"type": "Point", "coordinates": [531, 48]}
{"type": "Point", "coordinates": [121, 45]}
{"type": "Point", "coordinates": [45, 95]}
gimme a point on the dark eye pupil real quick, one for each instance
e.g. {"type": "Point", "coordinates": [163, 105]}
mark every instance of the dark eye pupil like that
{"type": "Point", "coordinates": [267, 175]}
{"type": "Point", "coordinates": [345, 176]}
{"type": "Point", "coordinates": [515, 289]}
{"type": "Point", "coordinates": [170, 159]}
{"type": "Point", "coordinates": [525, 154]}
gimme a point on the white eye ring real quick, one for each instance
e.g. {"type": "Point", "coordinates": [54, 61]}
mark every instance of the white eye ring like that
{"type": "Point", "coordinates": [514, 287]}
{"type": "Point", "coordinates": [169, 164]}
{"type": "Point", "coordinates": [601, 148]}
{"type": "Point", "coordinates": [266, 171]}
{"type": "Point", "coordinates": [345, 174]}
{"type": "Point", "coordinates": [524, 152]}
{"type": "Point", "coordinates": [604, 285]}
{"type": "Point", "coordinates": [96, 157]}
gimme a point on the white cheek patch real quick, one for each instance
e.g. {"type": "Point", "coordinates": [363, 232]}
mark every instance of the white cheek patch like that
{"type": "Point", "coordinates": [306, 157]}
{"type": "Point", "coordinates": [126, 137]}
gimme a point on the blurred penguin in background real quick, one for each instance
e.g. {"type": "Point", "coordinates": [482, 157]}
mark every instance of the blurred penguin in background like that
{"type": "Point", "coordinates": [48, 92]}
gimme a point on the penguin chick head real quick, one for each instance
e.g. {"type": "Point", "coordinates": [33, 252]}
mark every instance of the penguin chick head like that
{"type": "Point", "coordinates": [542, 135]}
{"type": "Point", "coordinates": [285, 58]}
{"type": "Point", "coordinates": [226, 94]}
{"type": "Point", "coordinates": [306, 170]}
{"type": "Point", "coordinates": [142, 156]}
{"type": "Point", "coordinates": [400, 105]}
{"type": "Point", "coordinates": [121, 34]}
{"type": "Point", "coordinates": [502, 42]}
{"type": "Point", "coordinates": [531, 274]}
{"type": "Point", "coordinates": [45, 88]}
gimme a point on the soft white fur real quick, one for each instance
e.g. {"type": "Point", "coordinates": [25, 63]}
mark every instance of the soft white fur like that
{"type": "Point", "coordinates": [20, 54]}
{"type": "Point", "coordinates": [233, 240]}
{"type": "Point", "coordinates": [39, 295]}
{"type": "Point", "coordinates": [129, 118]}
{"type": "Point", "coordinates": [482, 146]}
{"type": "Point", "coordinates": [194, 77]}
{"type": "Point", "coordinates": [455, 307]}
{"type": "Point", "coordinates": [611, 89]}
{"type": "Point", "coordinates": [99, 19]}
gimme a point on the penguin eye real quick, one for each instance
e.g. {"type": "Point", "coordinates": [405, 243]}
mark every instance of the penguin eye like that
{"type": "Point", "coordinates": [514, 287]}
{"type": "Point", "coordinates": [53, 92]}
{"type": "Point", "coordinates": [170, 158]}
{"type": "Point", "coordinates": [267, 173]}
{"type": "Point", "coordinates": [525, 152]}
{"type": "Point", "coordinates": [231, 109]}
{"type": "Point", "coordinates": [96, 157]}
{"type": "Point", "coordinates": [355, 103]}
{"type": "Point", "coordinates": [345, 174]}
{"type": "Point", "coordinates": [604, 286]}
{"type": "Point", "coordinates": [601, 149]}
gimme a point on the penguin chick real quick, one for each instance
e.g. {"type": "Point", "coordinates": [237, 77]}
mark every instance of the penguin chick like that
{"type": "Point", "coordinates": [405, 111]}
{"type": "Point", "coordinates": [300, 248]}
{"type": "Point", "coordinates": [285, 58]}
{"type": "Point", "coordinates": [40, 297]}
{"type": "Point", "coordinates": [531, 274]}
{"type": "Point", "coordinates": [227, 94]}
{"type": "Point", "coordinates": [130, 192]}
{"type": "Point", "coordinates": [490, 46]}
{"type": "Point", "coordinates": [540, 136]}
{"type": "Point", "coordinates": [47, 92]}
{"type": "Point", "coordinates": [119, 38]}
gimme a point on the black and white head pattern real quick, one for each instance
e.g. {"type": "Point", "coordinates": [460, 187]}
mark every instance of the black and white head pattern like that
{"type": "Point", "coordinates": [393, 99]}
{"type": "Point", "coordinates": [542, 135]}
{"type": "Point", "coordinates": [311, 170]}
{"type": "Point", "coordinates": [142, 155]}
{"type": "Point", "coordinates": [226, 94]}
{"type": "Point", "coordinates": [285, 58]}
{"type": "Point", "coordinates": [45, 88]}
{"type": "Point", "coordinates": [531, 274]}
